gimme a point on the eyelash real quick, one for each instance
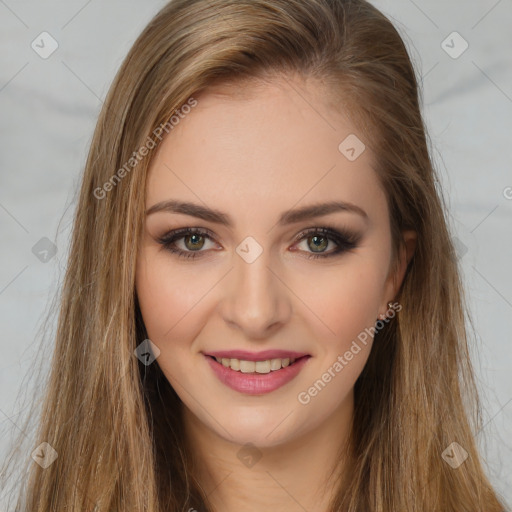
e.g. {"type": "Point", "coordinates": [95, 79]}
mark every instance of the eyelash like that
{"type": "Point", "coordinates": [345, 240]}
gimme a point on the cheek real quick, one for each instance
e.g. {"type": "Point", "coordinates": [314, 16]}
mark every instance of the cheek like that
{"type": "Point", "coordinates": [168, 298]}
{"type": "Point", "coordinates": [346, 299]}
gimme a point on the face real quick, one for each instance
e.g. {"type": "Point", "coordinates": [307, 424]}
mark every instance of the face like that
{"type": "Point", "coordinates": [250, 284]}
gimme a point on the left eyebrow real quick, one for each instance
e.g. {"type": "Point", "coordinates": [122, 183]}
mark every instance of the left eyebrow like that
{"type": "Point", "coordinates": [288, 217]}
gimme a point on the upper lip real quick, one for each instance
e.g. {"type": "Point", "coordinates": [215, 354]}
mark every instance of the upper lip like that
{"type": "Point", "coordinates": [256, 356]}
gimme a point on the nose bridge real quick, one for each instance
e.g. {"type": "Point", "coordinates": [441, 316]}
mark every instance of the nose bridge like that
{"type": "Point", "coordinates": [256, 300]}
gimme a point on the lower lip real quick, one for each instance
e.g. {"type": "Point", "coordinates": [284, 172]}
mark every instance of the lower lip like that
{"type": "Point", "coordinates": [256, 383]}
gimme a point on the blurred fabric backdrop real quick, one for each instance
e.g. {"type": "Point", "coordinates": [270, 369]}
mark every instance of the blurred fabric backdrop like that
{"type": "Point", "coordinates": [57, 61]}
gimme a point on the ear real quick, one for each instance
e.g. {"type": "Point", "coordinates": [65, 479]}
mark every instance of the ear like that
{"type": "Point", "coordinates": [397, 273]}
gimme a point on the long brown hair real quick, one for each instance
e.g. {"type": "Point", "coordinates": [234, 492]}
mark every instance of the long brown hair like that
{"type": "Point", "coordinates": [114, 422]}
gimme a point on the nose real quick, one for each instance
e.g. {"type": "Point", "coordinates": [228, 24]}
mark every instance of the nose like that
{"type": "Point", "coordinates": [256, 300]}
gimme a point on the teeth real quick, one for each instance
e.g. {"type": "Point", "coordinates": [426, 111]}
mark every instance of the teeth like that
{"type": "Point", "coordinates": [262, 367]}
{"type": "Point", "coordinates": [275, 364]}
{"type": "Point", "coordinates": [241, 365]}
{"type": "Point", "coordinates": [247, 366]}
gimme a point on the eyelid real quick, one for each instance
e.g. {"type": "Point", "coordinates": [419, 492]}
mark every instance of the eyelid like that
{"type": "Point", "coordinates": [173, 235]}
{"type": "Point", "coordinates": [328, 230]}
{"type": "Point", "coordinates": [345, 239]}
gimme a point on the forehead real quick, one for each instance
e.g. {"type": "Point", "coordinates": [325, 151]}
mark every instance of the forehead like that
{"type": "Point", "coordinates": [268, 143]}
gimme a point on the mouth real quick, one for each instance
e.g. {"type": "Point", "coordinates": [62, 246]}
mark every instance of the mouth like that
{"type": "Point", "coordinates": [257, 367]}
{"type": "Point", "coordinates": [256, 377]}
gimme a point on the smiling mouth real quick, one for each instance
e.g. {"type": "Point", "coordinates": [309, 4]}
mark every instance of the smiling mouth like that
{"type": "Point", "coordinates": [257, 367]}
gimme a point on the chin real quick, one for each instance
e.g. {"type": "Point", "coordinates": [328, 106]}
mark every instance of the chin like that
{"type": "Point", "coordinates": [260, 428]}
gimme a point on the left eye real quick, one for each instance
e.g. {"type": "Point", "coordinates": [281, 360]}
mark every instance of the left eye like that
{"type": "Point", "coordinates": [317, 242]}
{"type": "Point", "coordinates": [316, 239]}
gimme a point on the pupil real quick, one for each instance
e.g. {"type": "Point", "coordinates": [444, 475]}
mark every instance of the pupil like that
{"type": "Point", "coordinates": [317, 244]}
{"type": "Point", "coordinates": [319, 241]}
{"type": "Point", "coordinates": [194, 239]}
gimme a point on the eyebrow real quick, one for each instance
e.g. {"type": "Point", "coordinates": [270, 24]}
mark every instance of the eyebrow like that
{"type": "Point", "coordinates": [286, 218]}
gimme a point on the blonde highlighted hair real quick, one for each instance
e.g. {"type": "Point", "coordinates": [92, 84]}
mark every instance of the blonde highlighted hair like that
{"type": "Point", "coordinates": [115, 423]}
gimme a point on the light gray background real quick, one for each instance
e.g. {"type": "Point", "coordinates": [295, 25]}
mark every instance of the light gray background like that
{"type": "Point", "coordinates": [49, 109]}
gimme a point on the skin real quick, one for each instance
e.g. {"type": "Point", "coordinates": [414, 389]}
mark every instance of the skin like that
{"type": "Point", "coordinates": [254, 152]}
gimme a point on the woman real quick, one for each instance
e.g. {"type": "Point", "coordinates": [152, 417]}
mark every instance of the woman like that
{"type": "Point", "coordinates": [262, 307]}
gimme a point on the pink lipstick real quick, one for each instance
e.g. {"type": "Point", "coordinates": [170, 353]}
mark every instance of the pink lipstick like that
{"type": "Point", "coordinates": [256, 373]}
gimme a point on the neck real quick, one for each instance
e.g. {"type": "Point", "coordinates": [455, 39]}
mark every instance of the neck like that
{"type": "Point", "coordinates": [296, 475]}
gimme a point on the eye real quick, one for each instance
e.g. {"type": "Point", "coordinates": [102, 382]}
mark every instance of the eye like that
{"type": "Point", "coordinates": [315, 239]}
{"type": "Point", "coordinates": [194, 241]}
